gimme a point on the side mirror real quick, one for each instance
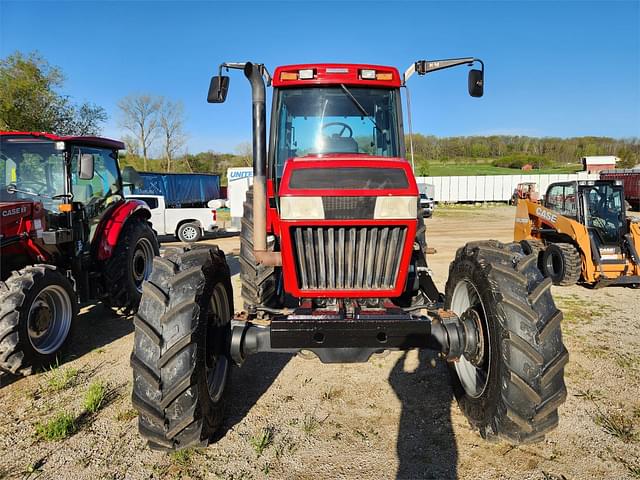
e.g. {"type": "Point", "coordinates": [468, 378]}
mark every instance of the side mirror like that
{"type": "Point", "coordinates": [85, 166]}
{"type": "Point", "coordinates": [218, 89]}
{"type": "Point", "coordinates": [131, 177]}
{"type": "Point", "coordinates": [476, 83]}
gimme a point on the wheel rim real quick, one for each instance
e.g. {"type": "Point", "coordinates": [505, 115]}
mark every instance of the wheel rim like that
{"type": "Point", "coordinates": [189, 233]}
{"type": "Point", "coordinates": [142, 263]}
{"type": "Point", "coordinates": [553, 264]}
{"type": "Point", "coordinates": [217, 363]}
{"type": "Point", "coordinates": [49, 319]}
{"type": "Point", "coordinates": [474, 377]}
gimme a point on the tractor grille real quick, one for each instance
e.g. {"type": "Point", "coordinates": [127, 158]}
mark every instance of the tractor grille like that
{"type": "Point", "coordinates": [353, 258]}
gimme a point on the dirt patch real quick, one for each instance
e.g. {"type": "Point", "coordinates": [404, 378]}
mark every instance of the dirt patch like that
{"type": "Point", "coordinates": [393, 417]}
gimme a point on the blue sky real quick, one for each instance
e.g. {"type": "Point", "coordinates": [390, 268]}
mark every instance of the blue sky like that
{"type": "Point", "coordinates": [558, 68]}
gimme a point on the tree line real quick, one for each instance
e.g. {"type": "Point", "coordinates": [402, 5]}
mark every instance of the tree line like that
{"type": "Point", "coordinates": [156, 140]}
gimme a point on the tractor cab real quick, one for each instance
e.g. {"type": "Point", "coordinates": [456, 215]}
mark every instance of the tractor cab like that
{"type": "Point", "coordinates": [598, 205]}
{"type": "Point", "coordinates": [64, 176]}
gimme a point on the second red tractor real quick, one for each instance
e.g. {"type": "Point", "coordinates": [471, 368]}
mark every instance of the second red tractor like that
{"type": "Point", "coordinates": [67, 235]}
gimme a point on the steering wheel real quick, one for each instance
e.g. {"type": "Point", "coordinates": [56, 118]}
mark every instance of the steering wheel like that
{"type": "Point", "coordinates": [344, 126]}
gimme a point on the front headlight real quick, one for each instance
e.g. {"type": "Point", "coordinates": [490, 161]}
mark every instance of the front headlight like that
{"type": "Point", "coordinates": [301, 208]}
{"type": "Point", "coordinates": [396, 207]}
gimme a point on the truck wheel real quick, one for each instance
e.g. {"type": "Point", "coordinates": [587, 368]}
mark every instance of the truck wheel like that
{"type": "Point", "coordinates": [561, 262]}
{"type": "Point", "coordinates": [38, 307]}
{"type": "Point", "coordinates": [189, 232]}
{"type": "Point", "coordinates": [129, 266]}
{"type": "Point", "coordinates": [259, 282]}
{"type": "Point", "coordinates": [180, 357]}
{"type": "Point", "coordinates": [514, 383]}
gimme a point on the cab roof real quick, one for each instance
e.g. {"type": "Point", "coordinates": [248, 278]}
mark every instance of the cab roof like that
{"type": "Point", "coordinates": [89, 141]}
{"type": "Point", "coordinates": [336, 73]}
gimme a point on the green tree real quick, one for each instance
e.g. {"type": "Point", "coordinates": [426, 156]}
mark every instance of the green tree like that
{"type": "Point", "coordinates": [30, 99]}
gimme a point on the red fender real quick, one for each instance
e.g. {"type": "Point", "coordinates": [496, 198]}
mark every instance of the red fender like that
{"type": "Point", "coordinates": [110, 227]}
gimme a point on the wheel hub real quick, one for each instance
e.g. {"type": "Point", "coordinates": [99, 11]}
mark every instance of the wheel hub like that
{"type": "Point", "coordinates": [41, 318]}
{"type": "Point", "coordinates": [50, 317]}
{"type": "Point", "coordinates": [474, 348]}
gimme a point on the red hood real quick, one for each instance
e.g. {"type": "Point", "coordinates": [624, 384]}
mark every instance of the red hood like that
{"type": "Point", "coordinates": [327, 174]}
{"type": "Point", "coordinates": [11, 214]}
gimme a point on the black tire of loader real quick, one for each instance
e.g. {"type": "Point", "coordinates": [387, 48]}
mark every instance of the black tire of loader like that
{"type": "Point", "coordinates": [526, 387]}
{"type": "Point", "coordinates": [17, 354]}
{"type": "Point", "coordinates": [534, 246]}
{"type": "Point", "coordinates": [567, 263]}
{"type": "Point", "coordinates": [259, 282]}
{"type": "Point", "coordinates": [122, 294]}
{"type": "Point", "coordinates": [172, 328]}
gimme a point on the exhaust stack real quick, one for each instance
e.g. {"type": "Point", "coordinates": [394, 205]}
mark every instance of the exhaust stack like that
{"type": "Point", "coordinates": [253, 72]}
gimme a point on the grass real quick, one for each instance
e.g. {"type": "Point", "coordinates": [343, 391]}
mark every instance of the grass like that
{"type": "Point", "coordinates": [59, 427]}
{"type": "Point", "coordinates": [126, 415]}
{"type": "Point", "coordinates": [262, 440]}
{"type": "Point", "coordinates": [618, 425]}
{"type": "Point", "coordinates": [182, 458]}
{"type": "Point", "coordinates": [61, 378]}
{"type": "Point", "coordinates": [331, 394]}
{"type": "Point", "coordinates": [309, 423]}
{"type": "Point", "coordinates": [460, 169]}
{"type": "Point", "coordinates": [95, 397]}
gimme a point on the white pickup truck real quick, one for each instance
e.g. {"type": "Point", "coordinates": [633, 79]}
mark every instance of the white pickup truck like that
{"type": "Point", "coordinates": [187, 224]}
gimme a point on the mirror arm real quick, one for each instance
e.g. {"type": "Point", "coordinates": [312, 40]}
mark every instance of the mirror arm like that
{"type": "Point", "coordinates": [240, 66]}
{"type": "Point", "coordinates": [422, 67]}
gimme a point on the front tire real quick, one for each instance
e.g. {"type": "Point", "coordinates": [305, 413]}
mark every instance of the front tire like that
{"type": "Point", "coordinates": [514, 385]}
{"type": "Point", "coordinates": [180, 359]}
{"type": "Point", "coordinates": [259, 282]}
{"type": "Point", "coordinates": [129, 266]}
{"type": "Point", "coordinates": [38, 307]}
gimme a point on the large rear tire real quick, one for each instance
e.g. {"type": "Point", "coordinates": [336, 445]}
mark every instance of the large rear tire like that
{"type": "Point", "coordinates": [561, 262]}
{"type": "Point", "coordinates": [38, 307]}
{"type": "Point", "coordinates": [180, 359]}
{"type": "Point", "coordinates": [513, 385]}
{"type": "Point", "coordinates": [129, 266]}
{"type": "Point", "coordinates": [259, 282]}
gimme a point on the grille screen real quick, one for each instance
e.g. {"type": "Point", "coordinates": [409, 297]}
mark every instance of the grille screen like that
{"type": "Point", "coordinates": [345, 208]}
{"type": "Point", "coordinates": [354, 258]}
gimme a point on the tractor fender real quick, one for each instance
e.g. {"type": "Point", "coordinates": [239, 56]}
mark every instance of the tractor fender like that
{"type": "Point", "coordinates": [113, 223]}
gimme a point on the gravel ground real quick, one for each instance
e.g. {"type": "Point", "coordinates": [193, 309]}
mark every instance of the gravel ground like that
{"type": "Point", "coordinates": [393, 417]}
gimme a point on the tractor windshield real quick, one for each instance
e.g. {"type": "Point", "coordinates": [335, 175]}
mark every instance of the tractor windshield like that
{"type": "Point", "coordinates": [31, 170]}
{"type": "Point", "coordinates": [336, 119]}
{"type": "Point", "coordinates": [605, 206]}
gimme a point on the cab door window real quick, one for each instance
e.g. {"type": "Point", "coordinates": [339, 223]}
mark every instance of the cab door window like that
{"type": "Point", "coordinates": [102, 190]}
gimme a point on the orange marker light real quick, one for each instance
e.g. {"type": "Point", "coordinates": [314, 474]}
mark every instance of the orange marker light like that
{"type": "Point", "coordinates": [288, 76]}
{"type": "Point", "coordinates": [64, 207]}
{"type": "Point", "coordinates": [384, 76]}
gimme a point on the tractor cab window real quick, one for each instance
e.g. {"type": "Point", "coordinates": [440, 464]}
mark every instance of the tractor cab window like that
{"type": "Point", "coordinates": [104, 188]}
{"type": "Point", "coordinates": [335, 120]}
{"type": "Point", "coordinates": [605, 211]}
{"type": "Point", "coordinates": [33, 170]}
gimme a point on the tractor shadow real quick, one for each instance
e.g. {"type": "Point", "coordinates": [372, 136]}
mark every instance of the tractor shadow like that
{"type": "Point", "coordinates": [426, 446]}
{"type": "Point", "coordinates": [96, 327]}
{"type": "Point", "coordinates": [248, 383]}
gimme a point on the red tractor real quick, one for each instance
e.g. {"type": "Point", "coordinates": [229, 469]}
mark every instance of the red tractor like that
{"type": "Point", "coordinates": [333, 262]}
{"type": "Point", "coordinates": [67, 235]}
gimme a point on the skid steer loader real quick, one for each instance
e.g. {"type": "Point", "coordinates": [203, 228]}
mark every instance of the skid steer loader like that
{"type": "Point", "coordinates": [581, 234]}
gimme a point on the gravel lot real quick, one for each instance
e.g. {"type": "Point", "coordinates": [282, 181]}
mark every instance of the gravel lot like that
{"type": "Point", "coordinates": [393, 417]}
